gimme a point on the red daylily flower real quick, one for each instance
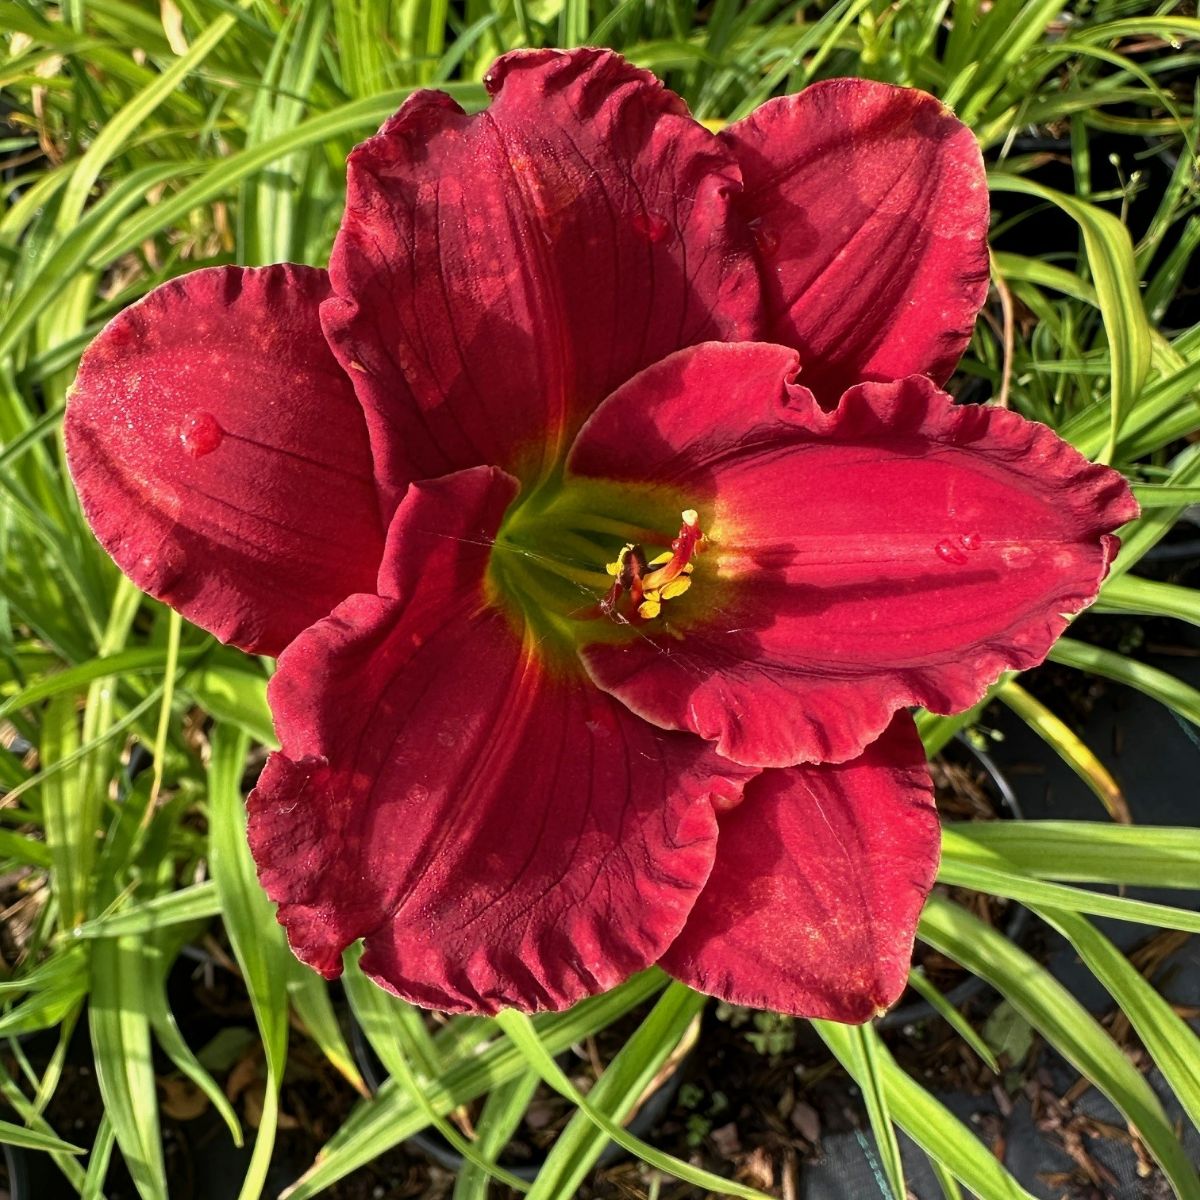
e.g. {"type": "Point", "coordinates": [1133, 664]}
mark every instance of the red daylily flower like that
{"type": "Point", "coordinates": [605, 513]}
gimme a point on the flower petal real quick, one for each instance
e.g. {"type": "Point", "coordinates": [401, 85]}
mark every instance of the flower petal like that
{"type": "Point", "coordinates": [899, 550]}
{"type": "Point", "coordinates": [221, 456]}
{"type": "Point", "coordinates": [501, 832]}
{"type": "Point", "coordinates": [870, 208]}
{"type": "Point", "coordinates": [820, 877]}
{"type": "Point", "coordinates": [497, 275]}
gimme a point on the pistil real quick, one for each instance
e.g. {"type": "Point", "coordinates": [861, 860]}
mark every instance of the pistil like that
{"type": "Point", "coordinates": [677, 562]}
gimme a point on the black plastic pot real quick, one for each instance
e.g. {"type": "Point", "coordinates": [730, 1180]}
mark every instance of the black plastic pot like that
{"type": "Point", "coordinates": [435, 1147]}
{"type": "Point", "coordinates": [919, 1011]}
{"type": "Point", "coordinates": [1153, 755]}
{"type": "Point", "coordinates": [1185, 549]}
{"type": "Point", "coordinates": [16, 1159]}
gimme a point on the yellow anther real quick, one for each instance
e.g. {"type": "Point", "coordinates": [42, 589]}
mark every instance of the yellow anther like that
{"type": "Point", "coordinates": [667, 575]}
{"type": "Point", "coordinates": [665, 557]}
{"type": "Point", "coordinates": [614, 568]}
{"type": "Point", "coordinates": [675, 588]}
{"type": "Point", "coordinates": [650, 607]}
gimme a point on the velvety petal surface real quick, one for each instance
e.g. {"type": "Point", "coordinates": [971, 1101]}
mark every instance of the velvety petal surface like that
{"type": "Point", "coordinates": [221, 456]}
{"type": "Point", "coordinates": [497, 275]}
{"type": "Point", "coordinates": [899, 550]}
{"type": "Point", "coordinates": [501, 832]}
{"type": "Point", "coordinates": [821, 872]}
{"type": "Point", "coordinates": [870, 209]}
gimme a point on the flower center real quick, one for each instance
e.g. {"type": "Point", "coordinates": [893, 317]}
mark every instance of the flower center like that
{"type": "Point", "coordinates": [553, 565]}
{"type": "Point", "coordinates": [647, 584]}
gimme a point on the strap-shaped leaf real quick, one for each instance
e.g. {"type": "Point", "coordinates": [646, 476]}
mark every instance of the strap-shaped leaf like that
{"type": "Point", "coordinates": [1065, 1024]}
{"type": "Point", "coordinates": [926, 1120]}
{"type": "Point", "coordinates": [1114, 269]}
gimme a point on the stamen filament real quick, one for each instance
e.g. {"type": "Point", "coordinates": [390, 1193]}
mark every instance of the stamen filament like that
{"type": "Point", "coordinates": [543, 603]}
{"type": "Point", "coordinates": [585, 550]}
{"type": "Point", "coordinates": [582, 519]}
{"type": "Point", "coordinates": [579, 575]}
{"type": "Point", "coordinates": [593, 580]}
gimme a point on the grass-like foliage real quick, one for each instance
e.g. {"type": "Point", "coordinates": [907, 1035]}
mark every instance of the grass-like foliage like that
{"type": "Point", "coordinates": [143, 141]}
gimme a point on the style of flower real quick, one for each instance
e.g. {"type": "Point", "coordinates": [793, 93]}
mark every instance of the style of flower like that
{"type": "Point", "coordinates": [606, 516]}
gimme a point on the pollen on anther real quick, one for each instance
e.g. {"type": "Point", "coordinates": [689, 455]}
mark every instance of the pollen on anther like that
{"type": "Point", "coordinates": [649, 608]}
{"type": "Point", "coordinates": [614, 568]}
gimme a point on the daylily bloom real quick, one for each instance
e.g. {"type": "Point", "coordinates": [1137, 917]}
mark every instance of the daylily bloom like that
{"type": "Point", "coordinates": [606, 516]}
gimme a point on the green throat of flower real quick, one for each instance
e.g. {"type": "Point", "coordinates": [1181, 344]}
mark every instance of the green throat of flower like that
{"type": "Point", "coordinates": [586, 562]}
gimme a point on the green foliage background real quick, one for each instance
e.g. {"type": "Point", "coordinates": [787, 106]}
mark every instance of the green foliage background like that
{"type": "Point", "coordinates": [149, 139]}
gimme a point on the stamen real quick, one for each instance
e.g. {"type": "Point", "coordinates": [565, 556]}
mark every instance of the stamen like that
{"type": "Point", "coordinates": [590, 521]}
{"type": "Point", "coordinates": [649, 589]}
{"type": "Point", "coordinates": [666, 557]}
{"type": "Point", "coordinates": [685, 545]}
{"type": "Point", "coordinates": [629, 569]}
{"type": "Point", "coordinates": [676, 587]}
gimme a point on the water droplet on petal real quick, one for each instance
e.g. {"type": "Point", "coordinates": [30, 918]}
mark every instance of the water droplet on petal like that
{"type": "Point", "coordinates": [971, 541]}
{"type": "Point", "coordinates": [121, 335]}
{"type": "Point", "coordinates": [651, 225]}
{"type": "Point", "coordinates": [201, 434]}
{"type": "Point", "coordinates": [726, 796]}
{"type": "Point", "coordinates": [767, 240]}
{"type": "Point", "coordinates": [947, 551]}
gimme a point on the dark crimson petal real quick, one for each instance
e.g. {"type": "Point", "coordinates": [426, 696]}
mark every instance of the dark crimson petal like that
{"type": "Point", "coordinates": [498, 275]}
{"type": "Point", "coordinates": [819, 880]}
{"type": "Point", "coordinates": [221, 456]}
{"type": "Point", "coordinates": [870, 208]}
{"type": "Point", "coordinates": [501, 832]}
{"type": "Point", "coordinates": [899, 550]}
